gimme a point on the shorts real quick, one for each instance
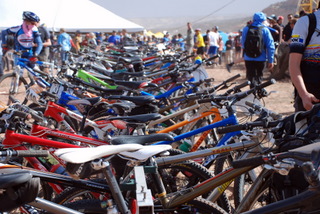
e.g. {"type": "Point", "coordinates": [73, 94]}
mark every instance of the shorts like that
{"type": "Point", "coordinates": [200, 50]}
{"type": "Point", "coordinates": [213, 50]}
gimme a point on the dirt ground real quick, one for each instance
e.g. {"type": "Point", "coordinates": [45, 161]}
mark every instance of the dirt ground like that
{"type": "Point", "coordinates": [280, 99]}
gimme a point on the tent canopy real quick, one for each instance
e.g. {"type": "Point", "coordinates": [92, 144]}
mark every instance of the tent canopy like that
{"type": "Point", "coordinates": [72, 15]}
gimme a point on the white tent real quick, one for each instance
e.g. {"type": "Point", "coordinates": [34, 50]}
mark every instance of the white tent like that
{"type": "Point", "coordinates": [72, 15]}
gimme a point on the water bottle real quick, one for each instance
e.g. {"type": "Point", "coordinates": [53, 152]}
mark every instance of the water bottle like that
{"type": "Point", "coordinates": [59, 169]}
{"type": "Point", "coordinates": [111, 208]}
{"type": "Point", "coordinates": [186, 145]}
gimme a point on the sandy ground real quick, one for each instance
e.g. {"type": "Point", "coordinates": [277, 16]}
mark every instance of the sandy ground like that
{"type": "Point", "coordinates": [280, 99]}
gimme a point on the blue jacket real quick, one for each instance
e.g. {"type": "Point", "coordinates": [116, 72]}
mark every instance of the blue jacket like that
{"type": "Point", "coordinates": [268, 52]}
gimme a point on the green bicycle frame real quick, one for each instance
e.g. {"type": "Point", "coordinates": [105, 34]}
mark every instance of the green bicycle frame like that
{"type": "Point", "coordinates": [85, 76]}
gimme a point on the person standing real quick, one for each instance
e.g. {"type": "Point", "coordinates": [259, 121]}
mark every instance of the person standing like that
{"type": "Point", "coordinates": [189, 42]}
{"type": "Point", "coordinates": [255, 65]}
{"type": "Point", "coordinates": [77, 40]}
{"type": "Point", "coordinates": [46, 41]}
{"type": "Point", "coordinates": [229, 49]}
{"type": "Point", "coordinates": [65, 41]}
{"type": "Point", "coordinates": [181, 42]}
{"type": "Point", "coordinates": [92, 42]}
{"type": "Point", "coordinates": [283, 53]}
{"type": "Point", "coordinates": [213, 39]}
{"type": "Point", "coordinates": [200, 43]}
{"type": "Point", "coordinates": [25, 37]}
{"type": "Point", "coordinates": [114, 38]}
{"type": "Point", "coordinates": [304, 63]}
{"type": "Point", "coordinates": [287, 30]}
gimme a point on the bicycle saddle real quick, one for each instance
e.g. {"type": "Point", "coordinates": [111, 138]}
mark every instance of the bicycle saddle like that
{"type": "Point", "coordinates": [132, 85]}
{"type": "Point", "coordinates": [138, 100]}
{"type": "Point", "coordinates": [142, 118]}
{"type": "Point", "coordinates": [82, 155]}
{"type": "Point", "coordinates": [86, 101]}
{"type": "Point", "coordinates": [141, 139]}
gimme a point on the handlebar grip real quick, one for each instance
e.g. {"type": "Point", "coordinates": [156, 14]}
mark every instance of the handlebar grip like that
{"type": "Point", "coordinates": [232, 78]}
{"type": "Point", "coordinates": [272, 114]}
{"type": "Point", "coordinates": [265, 84]}
{"type": "Point", "coordinates": [212, 58]}
{"type": "Point", "coordinates": [242, 85]}
{"type": "Point", "coordinates": [207, 100]}
{"type": "Point", "coordinates": [234, 128]}
{"type": "Point", "coordinates": [25, 153]}
{"type": "Point", "coordinates": [254, 161]}
{"type": "Point", "coordinates": [36, 117]}
{"type": "Point", "coordinates": [32, 153]}
{"type": "Point", "coordinates": [20, 114]}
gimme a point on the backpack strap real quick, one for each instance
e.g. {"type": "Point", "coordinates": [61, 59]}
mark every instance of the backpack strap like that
{"type": "Point", "coordinates": [312, 27]}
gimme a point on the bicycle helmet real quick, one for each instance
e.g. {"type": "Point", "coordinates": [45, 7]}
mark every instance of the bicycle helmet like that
{"type": "Point", "coordinates": [30, 16]}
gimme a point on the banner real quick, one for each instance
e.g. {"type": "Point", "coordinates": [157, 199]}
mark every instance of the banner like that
{"type": "Point", "coordinates": [307, 5]}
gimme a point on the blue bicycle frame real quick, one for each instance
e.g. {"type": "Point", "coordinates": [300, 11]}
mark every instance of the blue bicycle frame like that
{"type": "Point", "coordinates": [231, 120]}
{"type": "Point", "coordinates": [41, 82]}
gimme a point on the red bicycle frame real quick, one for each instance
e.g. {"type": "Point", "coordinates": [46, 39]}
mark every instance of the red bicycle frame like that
{"type": "Point", "coordinates": [54, 111]}
{"type": "Point", "coordinates": [16, 141]}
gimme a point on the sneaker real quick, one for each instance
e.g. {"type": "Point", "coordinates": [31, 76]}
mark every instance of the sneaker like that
{"type": "Point", "coordinates": [229, 67]}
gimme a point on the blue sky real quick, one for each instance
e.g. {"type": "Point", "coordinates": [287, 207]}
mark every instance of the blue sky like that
{"type": "Point", "coordinates": [178, 8]}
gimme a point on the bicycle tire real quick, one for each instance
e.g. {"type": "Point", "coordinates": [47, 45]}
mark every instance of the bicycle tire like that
{"type": "Point", "coordinates": [193, 173]}
{"type": "Point", "coordinates": [266, 195]}
{"type": "Point", "coordinates": [5, 85]}
{"type": "Point", "coordinates": [198, 205]}
{"type": "Point", "coordinates": [241, 184]}
{"type": "Point", "coordinates": [171, 175]}
{"type": "Point", "coordinates": [70, 194]}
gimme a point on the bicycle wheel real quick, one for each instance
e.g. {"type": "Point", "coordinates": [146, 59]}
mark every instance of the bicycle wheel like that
{"type": "Point", "coordinates": [266, 195]}
{"type": "Point", "coordinates": [198, 206]}
{"type": "Point", "coordinates": [9, 90]}
{"type": "Point", "coordinates": [242, 183]}
{"type": "Point", "coordinates": [72, 194]}
{"type": "Point", "coordinates": [184, 175]}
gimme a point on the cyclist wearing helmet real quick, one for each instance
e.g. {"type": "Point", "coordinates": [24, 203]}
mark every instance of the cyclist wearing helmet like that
{"type": "Point", "coordinates": [26, 36]}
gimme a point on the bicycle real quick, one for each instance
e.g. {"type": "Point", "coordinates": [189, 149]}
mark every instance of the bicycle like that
{"type": "Point", "coordinates": [174, 199]}
{"type": "Point", "coordinates": [306, 157]}
{"type": "Point", "coordinates": [17, 82]}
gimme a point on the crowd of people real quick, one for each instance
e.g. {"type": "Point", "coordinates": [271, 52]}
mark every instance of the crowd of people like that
{"type": "Point", "coordinates": [280, 44]}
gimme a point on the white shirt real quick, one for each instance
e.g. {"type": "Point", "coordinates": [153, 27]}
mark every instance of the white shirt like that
{"type": "Point", "coordinates": [214, 38]}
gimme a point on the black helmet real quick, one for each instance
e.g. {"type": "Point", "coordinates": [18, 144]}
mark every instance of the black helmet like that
{"type": "Point", "coordinates": [30, 16]}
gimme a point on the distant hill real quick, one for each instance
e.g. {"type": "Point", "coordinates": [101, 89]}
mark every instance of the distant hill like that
{"type": "Point", "coordinates": [226, 24]}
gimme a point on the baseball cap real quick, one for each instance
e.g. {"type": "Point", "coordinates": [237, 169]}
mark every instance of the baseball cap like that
{"type": "Point", "coordinates": [198, 29]}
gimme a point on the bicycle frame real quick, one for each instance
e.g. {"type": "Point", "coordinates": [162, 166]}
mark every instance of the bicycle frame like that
{"type": "Point", "coordinates": [101, 127]}
{"type": "Point", "coordinates": [57, 179]}
{"type": "Point", "coordinates": [231, 120]}
{"type": "Point", "coordinates": [16, 141]}
{"type": "Point", "coordinates": [175, 199]}
{"type": "Point", "coordinates": [89, 78]}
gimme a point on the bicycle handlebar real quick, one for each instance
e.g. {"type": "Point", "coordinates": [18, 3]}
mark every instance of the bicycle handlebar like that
{"type": "Point", "coordinates": [303, 153]}
{"type": "Point", "coordinates": [238, 96]}
{"type": "Point", "coordinates": [256, 107]}
{"type": "Point", "coordinates": [24, 153]}
{"type": "Point", "coordinates": [247, 126]}
{"type": "Point", "coordinates": [237, 88]}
